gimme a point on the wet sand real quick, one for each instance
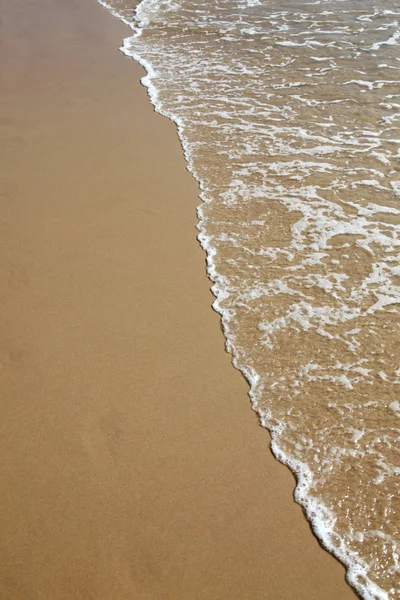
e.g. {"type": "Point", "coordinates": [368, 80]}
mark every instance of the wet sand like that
{"type": "Point", "coordinates": [132, 465]}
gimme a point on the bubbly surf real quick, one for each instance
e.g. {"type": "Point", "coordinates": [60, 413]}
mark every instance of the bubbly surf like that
{"type": "Point", "coordinates": [289, 113]}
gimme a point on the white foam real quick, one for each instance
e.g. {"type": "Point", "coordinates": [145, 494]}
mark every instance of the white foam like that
{"type": "Point", "coordinates": [322, 220]}
{"type": "Point", "coordinates": [395, 407]}
{"type": "Point", "coordinates": [391, 41]}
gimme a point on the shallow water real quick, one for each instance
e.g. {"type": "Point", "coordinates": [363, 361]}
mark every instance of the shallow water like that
{"type": "Point", "coordinates": [289, 116]}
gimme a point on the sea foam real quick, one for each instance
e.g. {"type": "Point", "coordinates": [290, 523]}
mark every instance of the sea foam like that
{"type": "Point", "coordinates": [292, 138]}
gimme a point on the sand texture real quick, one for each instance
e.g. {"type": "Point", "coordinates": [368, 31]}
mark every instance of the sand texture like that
{"type": "Point", "coordinates": [132, 465]}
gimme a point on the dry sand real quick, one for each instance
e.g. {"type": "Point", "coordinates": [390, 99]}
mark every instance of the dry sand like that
{"type": "Point", "coordinates": [132, 465]}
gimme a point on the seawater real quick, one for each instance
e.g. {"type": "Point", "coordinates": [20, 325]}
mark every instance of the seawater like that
{"type": "Point", "coordinates": [289, 112]}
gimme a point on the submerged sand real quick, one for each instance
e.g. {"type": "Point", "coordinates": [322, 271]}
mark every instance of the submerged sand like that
{"type": "Point", "coordinates": [132, 464]}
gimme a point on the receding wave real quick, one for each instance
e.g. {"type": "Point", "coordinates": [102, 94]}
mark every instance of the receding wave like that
{"type": "Point", "coordinates": [288, 113]}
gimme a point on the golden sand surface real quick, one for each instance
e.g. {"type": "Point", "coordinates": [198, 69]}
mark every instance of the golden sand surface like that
{"type": "Point", "coordinates": [132, 465]}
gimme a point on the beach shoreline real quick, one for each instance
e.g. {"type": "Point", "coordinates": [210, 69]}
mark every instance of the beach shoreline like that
{"type": "Point", "coordinates": [133, 465]}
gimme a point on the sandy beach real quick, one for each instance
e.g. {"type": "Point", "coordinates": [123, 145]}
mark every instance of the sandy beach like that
{"type": "Point", "coordinates": [132, 464]}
